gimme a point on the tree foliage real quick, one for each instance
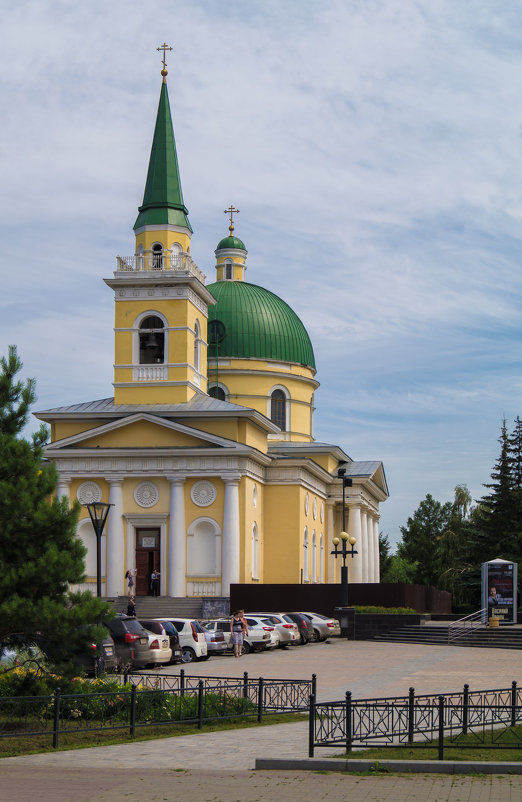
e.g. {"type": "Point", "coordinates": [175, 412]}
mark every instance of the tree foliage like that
{"type": "Point", "coordinates": [40, 553]}
{"type": "Point", "coordinates": [420, 538]}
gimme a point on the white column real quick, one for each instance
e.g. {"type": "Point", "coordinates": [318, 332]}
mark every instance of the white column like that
{"type": "Point", "coordinates": [62, 488]}
{"type": "Point", "coordinates": [177, 560]}
{"type": "Point", "coordinates": [364, 546]}
{"type": "Point", "coordinates": [231, 535]}
{"type": "Point", "coordinates": [328, 545]}
{"type": "Point", "coordinates": [355, 529]}
{"type": "Point", "coordinates": [376, 557]}
{"type": "Point", "coordinates": [115, 570]}
{"type": "Point", "coordinates": [371, 549]}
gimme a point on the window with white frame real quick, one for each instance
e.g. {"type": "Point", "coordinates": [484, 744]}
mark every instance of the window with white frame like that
{"type": "Point", "coordinates": [321, 558]}
{"type": "Point", "coordinates": [157, 256]}
{"type": "Point", "coordinates": [306, 562]}
{"type": "Point", "coordinates": [218, 391]}
{"type": "Point", "coordinates": [255, 551]}
{"type": "Point", "coordinates": [229, 273]}
{"type": "Point", "coordinates": [151, 340]}
{"type": "Point", "coordinates": [197, 347]}
{"type": "Point", "coordinates": [314, 557]}
{"type": "Point", "coordinates": [278, 408]}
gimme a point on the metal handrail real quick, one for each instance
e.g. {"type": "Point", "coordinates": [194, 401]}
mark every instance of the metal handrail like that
{"type": "Point", "coordinates": [467, 625]}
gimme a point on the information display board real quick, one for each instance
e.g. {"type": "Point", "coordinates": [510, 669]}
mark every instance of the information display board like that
{"type": "Point", "coordinates": [499, 590]}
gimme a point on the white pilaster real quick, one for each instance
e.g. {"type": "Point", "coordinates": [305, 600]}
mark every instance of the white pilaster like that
{"type": "Point", "coordinates": [364, 547]}
{"type": "Point", "coordinates": [329, 534]}
{"type": "Point", "coordinates": [177, 568]}
{"type": "Point", "coordinates": [230, 558]}
{"type": "Point", "coordinates": [376, 550]}
{"type": "Point", "coordinates": [355, 529]}
{"type": "Point", "coordinates": [63, 488]}
{"type": "Point", "coordinates": [371, 549]}
{"type": "Point", "coordinates": [115, 540]}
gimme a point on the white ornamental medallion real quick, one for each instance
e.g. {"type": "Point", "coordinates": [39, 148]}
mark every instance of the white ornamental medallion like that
{"type": "Point", "coordinates": [307, 503]}
{"type": "Point", "coordinates": [88, 492]}
{"type": "Point", "coordinates": [203, 493]}
{"type": "Point", "coordinates": [146, 494]}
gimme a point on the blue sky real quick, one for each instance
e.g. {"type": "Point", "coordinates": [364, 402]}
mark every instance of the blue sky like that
{"type": "Point", "coordinates": [375, 152]}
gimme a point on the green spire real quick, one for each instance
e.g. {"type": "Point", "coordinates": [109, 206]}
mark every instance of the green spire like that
{"type": "Point", "coordinates": [163, 198]}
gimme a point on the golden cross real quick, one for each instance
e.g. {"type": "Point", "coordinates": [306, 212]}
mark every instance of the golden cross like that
{"type": "Point", "coordinates": [231, 211]}
{"type": "Point", "coordinates": [164, 47]}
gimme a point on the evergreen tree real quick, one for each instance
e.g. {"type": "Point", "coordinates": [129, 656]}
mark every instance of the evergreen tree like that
{"type": "Point", "coordinates": [420, 538]}
{"type": "Point", "coordinates": [385, 558]}
{"type": "Point", "coordinates": [40, 553]}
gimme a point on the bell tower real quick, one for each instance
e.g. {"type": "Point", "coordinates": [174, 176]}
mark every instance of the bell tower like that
{"type": "Point", "coordinates": [161, 302]}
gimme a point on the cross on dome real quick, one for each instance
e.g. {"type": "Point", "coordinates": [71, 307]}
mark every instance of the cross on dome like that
{"type": "Point", "coordinates": [232, 211]}
{"type": "Point", "coordinates": [164, 47]}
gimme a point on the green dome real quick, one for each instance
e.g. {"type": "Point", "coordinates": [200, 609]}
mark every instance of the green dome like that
{"type": "Point", "coordinates": [257, 324]}
{"type": "Point", "coordinates": [231, 242]}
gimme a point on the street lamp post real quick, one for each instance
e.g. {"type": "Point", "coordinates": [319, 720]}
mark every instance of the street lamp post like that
{"type": "Point", "coordinates": [98, 510]}
{"type": "Point", "coordinates": [344, 552]}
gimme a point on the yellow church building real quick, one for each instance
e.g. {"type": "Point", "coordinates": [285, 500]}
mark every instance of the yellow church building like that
{"type": "Point", "coordinates": [206, 451]}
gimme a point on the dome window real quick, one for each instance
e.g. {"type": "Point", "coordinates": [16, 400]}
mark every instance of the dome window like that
{"type": "Point", "coordinates": [157, 256]}
{"type": "Point", "coordinates": [278, 409]}
{"type": "Point", "coordinates": [217, 392]}
{"type": "Point", "coordinates": [152, 340]}
{"type": "Point", "coordinates": [228, 271]}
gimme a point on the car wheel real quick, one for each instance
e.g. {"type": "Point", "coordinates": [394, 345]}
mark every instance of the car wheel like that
{"type": "Point", "coordinates": [304, 640]}
{"type": "Point", "coordinates": [317, 636]}
{"type": "Point", "coordinates": [246, 648]}
{"type": "Point", "coordinates": [188, 655]}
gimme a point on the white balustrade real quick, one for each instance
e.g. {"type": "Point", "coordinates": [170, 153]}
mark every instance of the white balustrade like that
{"type": "Point", "coordinates": [166, 262]}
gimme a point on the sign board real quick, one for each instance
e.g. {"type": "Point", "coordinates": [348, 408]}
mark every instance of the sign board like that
{"type": "Point", "coordinates": [499, 590]}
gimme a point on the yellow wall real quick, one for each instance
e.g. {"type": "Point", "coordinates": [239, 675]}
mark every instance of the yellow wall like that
{"type": "Point", "coordinates": [167, 238]}
{"type": "Point", "coordinates": [142, 434]}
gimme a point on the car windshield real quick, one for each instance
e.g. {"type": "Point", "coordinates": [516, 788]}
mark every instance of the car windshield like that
{"type": "Point", "coordinates": [196, 626]}
{"type": "Point", "coordinates": [133, 626]}
{"type": "Point", "coordinates": [288, 619]}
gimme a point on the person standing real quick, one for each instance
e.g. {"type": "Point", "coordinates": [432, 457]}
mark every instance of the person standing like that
{"type": "Point", "coordinates": [129, 576]}
{"type": "Point", "coordinates": [155, 582]}
{"type": "Point", "coordinates": [131, 607]}
{"type": "Point", "coordinates": [236, 629]}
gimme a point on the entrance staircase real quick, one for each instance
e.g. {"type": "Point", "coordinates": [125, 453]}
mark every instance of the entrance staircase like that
{"type": "Point", "coordinates": [161, 606]}
{"type": "Point", "coordinates": [509, 637]}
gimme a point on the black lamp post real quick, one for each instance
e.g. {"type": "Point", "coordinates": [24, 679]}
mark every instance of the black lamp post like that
{"type": "Point", "coordinates": [344, 552]}
{"type": "Point", "coordinates": [98, 510]}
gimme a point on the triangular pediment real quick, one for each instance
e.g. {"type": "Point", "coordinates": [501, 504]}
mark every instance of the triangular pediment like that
{"type": "Point", "coordinates": [143, 431]}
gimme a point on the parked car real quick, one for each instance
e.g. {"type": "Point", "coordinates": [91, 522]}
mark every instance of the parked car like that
{"type": "Point", "coordinates": [261, 633]}
{"type": "Point", "coordinates": [286, 628]}
{"type": "Point", "coordinates": [161, 627]}
{"type": "Point", "coordinates": [98, 658]}
{"type": "Point", "coordinates": [191, 639]}
{"type": "Point", "coordinates": [324, 627]}
{"type": "Point", "coordinates": [159, 644]}
{"type": "Point", "coordinates": [305, 626]}
{"type": "Point", "coordinates": [131, 642]}
{"type": "Point", "coordinates": [216, 642]}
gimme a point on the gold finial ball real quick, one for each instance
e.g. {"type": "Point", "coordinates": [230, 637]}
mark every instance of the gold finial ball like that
{"type": "Point", "coordinates": [335, 541]}
{"type": "Point", "coordinates": [164, 73]}
{"type": "Point", "coordinates": [352, 540]}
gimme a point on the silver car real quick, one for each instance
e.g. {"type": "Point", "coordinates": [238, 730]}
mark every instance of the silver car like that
{"type": "Point", "coordinates": [288, 630]}
{"type": "Point", "coordinates": [324, 627]}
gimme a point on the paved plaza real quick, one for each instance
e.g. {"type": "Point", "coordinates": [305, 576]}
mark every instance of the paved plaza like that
{"type": "Point", "coordinates": [219, 766]}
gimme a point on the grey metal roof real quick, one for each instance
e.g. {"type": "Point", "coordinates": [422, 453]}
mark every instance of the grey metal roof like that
{"type": "Point", "coordinates": [199, 403]}
{"type": "Point", "coordinates": [362, 468]}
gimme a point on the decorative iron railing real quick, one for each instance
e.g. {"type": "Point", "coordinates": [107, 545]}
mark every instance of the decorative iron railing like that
{"type": "Point", "coordinates": [467, 719]}
{"type": "Point", "coordinates": [467, 625]}
{"type": "Point", "coordinates": [163, 262]}
{"type": "Point", "coordinates": [157, 700]}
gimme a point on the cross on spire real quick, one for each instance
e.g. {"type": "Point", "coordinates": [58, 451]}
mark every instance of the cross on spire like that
{"type": "Point", "coordinates": [231, 211]}
{"type": "Point", "coordinates": [164, 47]}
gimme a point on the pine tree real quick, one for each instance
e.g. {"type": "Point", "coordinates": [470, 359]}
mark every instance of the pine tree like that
{"type": "Point", "coordinates": [420, 538]}
{"type": "Point", "coordinates": [40, 553]}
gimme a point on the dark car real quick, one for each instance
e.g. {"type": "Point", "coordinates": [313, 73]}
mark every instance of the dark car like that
{"type": "Point", "coordinates": [167, 628]}
{"type": "Point", "coordinates": [304, 625]}
{"type": "Point", "coordinates": [131, 642]}
{"type": "Point", "coordinates": [98, 658]}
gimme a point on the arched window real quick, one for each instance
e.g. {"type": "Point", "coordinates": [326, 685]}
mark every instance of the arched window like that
{"type": "Point", "coordinates": [152, 340]}
{"type": "Point", "coordinates": [229, 275]}
{"type": "Point", "coordinates": [321, 558]}
{"type": "Point", "coordinates": [255, 552]}
{"type": "Point", "coordinates": [176, 252]}
{"type": "Point", "coordinates": [314, 557]}
{"type": "Point", "coordinates": [306, 563]}
{"type": "Point", "coordinates": [157, 256]}
{"type": "Point", "coordinates": [140, 262]}
{"type": "Point", "coordinates": [217, 391]}
{"type": "Point", "coordinates": [197, 347]}
{"type": "Point", "coordinates": [278, 409]}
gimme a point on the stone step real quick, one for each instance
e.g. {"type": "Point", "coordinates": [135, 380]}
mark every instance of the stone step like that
{"type": "Point", "coordinates": [161, 606]}
{"type": "Point", "coordinates": [485, 638]}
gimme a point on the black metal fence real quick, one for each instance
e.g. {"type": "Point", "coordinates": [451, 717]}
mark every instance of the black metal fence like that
{"type": "Point", "coordinates": [190, 700]}
{"type": "Point", "coordinates": [463, 720]}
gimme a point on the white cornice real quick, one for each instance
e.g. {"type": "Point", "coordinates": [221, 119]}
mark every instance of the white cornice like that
{"type": "Point", "coordinates": [149, 464]}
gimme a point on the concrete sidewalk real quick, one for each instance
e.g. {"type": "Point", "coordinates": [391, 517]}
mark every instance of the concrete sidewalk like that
{"type": "Point", "coordinates": [368, 669]}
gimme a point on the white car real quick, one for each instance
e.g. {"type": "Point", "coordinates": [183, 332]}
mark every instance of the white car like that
{"type": "Point", "coordinates": [324, 627]}
{"type": "Point", "coordinates": [287, 629]}
{"type": "Point", "coordinates": [191, 639]}
{"type": "Point", "coordinates": [159, 646]}
{"type": "Point", "coordinates": [261, 635]}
